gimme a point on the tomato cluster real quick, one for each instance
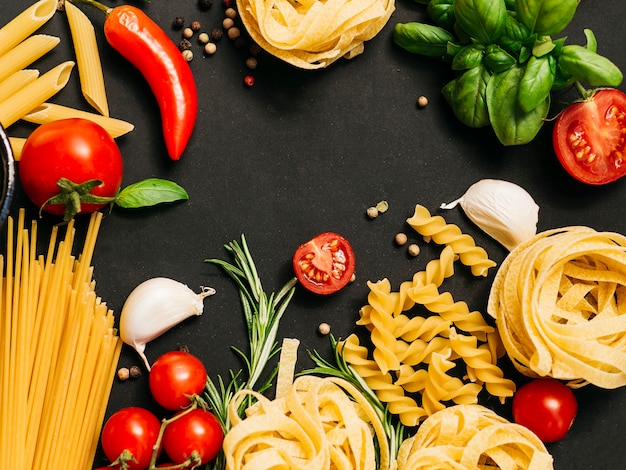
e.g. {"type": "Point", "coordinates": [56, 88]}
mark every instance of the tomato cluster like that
{"type": "Point", "coordinates": [133, 437]}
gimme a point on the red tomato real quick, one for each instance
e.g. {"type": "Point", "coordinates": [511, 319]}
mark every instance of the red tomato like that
{"type": "Point", "coordinates": [547, 407]}
{"type": "Point", "coordinates": [130, 435]}
{"type": "Point", "coordinates": [196, 432]}
{"type": "Point", "coordinates": [174, 377]}
{"type": "Point", "coordinates": [324, 264]}
{"type": "Point", "coordinates": [589, 138]}
{"type": "Point", "coordinates": [76, 149]}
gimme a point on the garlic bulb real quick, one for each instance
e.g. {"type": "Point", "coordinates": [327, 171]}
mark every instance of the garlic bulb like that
{"type": "Point", "coordinates": [155, 306]}
{"type": "Point", "coordinates": [504, 210]}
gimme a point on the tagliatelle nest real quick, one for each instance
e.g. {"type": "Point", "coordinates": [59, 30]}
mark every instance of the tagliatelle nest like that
{"type": "Point", "coordinates": [312, 34]}
{"type": "Point", "coordinates": [559, 301]}
{"type": "Point", "coordinates": [465, 437]}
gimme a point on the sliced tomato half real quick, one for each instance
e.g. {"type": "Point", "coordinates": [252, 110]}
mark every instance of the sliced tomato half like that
{"type": "Point", "coordinates": [324, 264]}
{"type": "Point", "coordinates": [589, 137]}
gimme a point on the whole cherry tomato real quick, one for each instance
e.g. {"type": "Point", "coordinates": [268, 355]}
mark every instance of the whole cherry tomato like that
{"type": "Point", "coordinates": [547, 407]}
{"type": "Point", "coordinates": [589, 137]}
{"type": "Point", "coordinates": [195, 433]}
{"type": "Point", "coordinates": [324, 264]}
{"type": "Point", "coordinates": [129, 437]}
{"type": "Point", "coordinates": [77, 150]}
{"type": "Point", "coordinates": [174, 377]}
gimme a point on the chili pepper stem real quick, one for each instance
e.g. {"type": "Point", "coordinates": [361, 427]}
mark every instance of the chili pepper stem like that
{"type": "Point", "coordinates": [94, 3]}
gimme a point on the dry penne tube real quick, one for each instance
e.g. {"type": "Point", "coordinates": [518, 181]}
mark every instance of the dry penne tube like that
{"type": "Point", "coordinates": [87, 59]}
{"type": "Point", "coordinates": [47, 112]}
{"type": "Point", "coordinates": [17, 144]}
{"type": "Point", "coordinates": [25, 24]}
{"type": "Point", "coordinates": [37, 92]}
{"type": "Point", "coordinates": [25, 53]}
{"type": "Point", "coordinates": [16, 81]}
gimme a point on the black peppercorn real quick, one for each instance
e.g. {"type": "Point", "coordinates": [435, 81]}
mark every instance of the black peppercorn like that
{"type": "Point", "coordinates": [217, 34]}
{"type": "Point", "coordinates": [205, 4]}
{"type": "Point", "coordinates": [179, 22]}
{"type": "Point", "coordinates": [184, 45]}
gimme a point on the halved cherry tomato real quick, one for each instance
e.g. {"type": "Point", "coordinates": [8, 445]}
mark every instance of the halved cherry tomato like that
{"type": "Point", "coordinates": [547, 407]}
{"type": "Point", "coordinates": [589, 137]}
{"type": "Point", "coordinates": [324, 264]}
{"type": "Point", "coordinates": [129, 436]}
{"type": "Point", "coordinates": [176, 376]}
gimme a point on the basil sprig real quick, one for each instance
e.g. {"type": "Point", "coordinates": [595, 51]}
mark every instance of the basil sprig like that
{"type": "Point", "coordinates": [505, 60]}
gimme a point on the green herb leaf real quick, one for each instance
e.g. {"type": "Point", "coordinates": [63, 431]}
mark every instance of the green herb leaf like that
{"type": "Point", "coordinates": [150, 192]}
{"type": "Point", "coordinates": [587, 66]}
{"type": "Point", "coordinates": [536, 82]}
{"type": "Point", "coordinates": [546, 17]}
{"type": "Point", "coordinates": [468, 57]}
{"type": "Point", "coordinates": [423, 39]}
{"type": "Point", "coordinates": [511, 124]}
{"type": "Point", "coordinates": [442, 13]}
{"type": "Point", "coordinates": [481, 19]}
{"type": "Point", "coordinates": [468, 97]}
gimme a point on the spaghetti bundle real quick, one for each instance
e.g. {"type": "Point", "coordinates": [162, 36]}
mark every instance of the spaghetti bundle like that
{"type": "Point", "coordinates": [58, 351]}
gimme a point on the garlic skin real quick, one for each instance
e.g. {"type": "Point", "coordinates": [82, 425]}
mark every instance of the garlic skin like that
{"type": "Point", "coordinates": [503, 210]}
{"type": "Point", "coordinates": [155, 306]}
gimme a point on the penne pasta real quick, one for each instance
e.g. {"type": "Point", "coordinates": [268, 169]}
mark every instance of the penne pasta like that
{"type": "Point", "coordinates": [47, 112]}
{"type": "Point", "coordinates": [37, 92]}
{"type": "Point", "coordinates": [25, 53]}
{"type": "Point", "coordinates": [17, 144]}
{"type": "Point", "coordinates": [16, 81]}
{"type": "Point", "coordinates": [26, 23]}
{"type": "Point", "coordinates": [87, 59]}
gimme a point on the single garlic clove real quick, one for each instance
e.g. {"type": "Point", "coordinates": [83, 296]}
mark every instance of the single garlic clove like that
{"type": "Point", "coordinates": [503, 210]}
{"type": "Point", "coordinates": [154, 307]}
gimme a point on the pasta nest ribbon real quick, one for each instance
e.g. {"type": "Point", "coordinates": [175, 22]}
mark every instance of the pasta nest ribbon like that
{"type": "Point", "coordinates": [312, 34]}
{"type": "Point", "coordinates": [320, 423]}
{"type": "Point", "coordinates": [464, 437]}
{"type": "Point", "coordinates": [559, 301]}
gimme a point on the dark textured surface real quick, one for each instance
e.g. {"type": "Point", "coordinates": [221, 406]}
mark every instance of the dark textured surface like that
{"type": "Point", "coordinates": [304, 152]}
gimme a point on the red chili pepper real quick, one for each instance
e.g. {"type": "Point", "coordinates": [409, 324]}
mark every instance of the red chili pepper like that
{"type": "Point", "coordinates": [145, 45]}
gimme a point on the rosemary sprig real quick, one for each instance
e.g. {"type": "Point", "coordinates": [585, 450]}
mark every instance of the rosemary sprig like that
{"type": "Point", "coordinates": [394, 430]}
{"type": "Point", "coordinates": [262, 314]}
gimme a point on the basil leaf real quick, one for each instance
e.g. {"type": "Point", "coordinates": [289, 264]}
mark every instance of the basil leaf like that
{"type": "Point", "coordinates": [497, 59]}
{"type": "Point", "coordinates": [468, 97]}
{"type": "Point", "coordinates": [481, 19]}
{"type": "Point", "coordinates": [592, 43]}
{"type": "Point", "coordinates": [442, 13]}
{"type": "Point", "coordinates": [546, 17]}
{"type": "Point", "coordinates": [468, 57]}
{"type": "Point", "coordinates": [587, 66]}
{"type": "Point", "coordinates": [150, 192]}
{"type": "Point", "coordinates": [511, 124]}
{"type": "Point", "coordinates": [536, 83]}
{"type": "Point", "coordinates": [424, 39]}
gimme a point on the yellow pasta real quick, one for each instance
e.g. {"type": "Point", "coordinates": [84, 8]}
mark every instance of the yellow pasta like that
{"type": "Point", "coordinates": [16, 81]}
{"type": "Point", "coordinates": [443, 233]}
{"type": "Point", "coordinates": [47, 112]}
{"type": "Point", "coordinates": [313, 34]}
{"type": "Point", "coordinates": [481, 365]}
{"type": "Point", "coordinates": [320, 423]}
{"type": "Point", "coordinates": [457, 312]}
{"type": "Point", "coordinates": [559, 301]}
{"type": "Point", "coordinates": [35, 93]}
{"type": "Point", "coordinates": [410, 365]}
{"type": "Point", "coordinates": [26, 23]}
{"type": "Point", "coordinates": [472, 437]}
{"type": "Point", "coordinates": [25, 53]}
{"type": "Point", "coordinates": [87, 58]}
{"type": "Point", "coordinates": [17, 144]}
{"type": "Point", "coordinates": [59, 351]}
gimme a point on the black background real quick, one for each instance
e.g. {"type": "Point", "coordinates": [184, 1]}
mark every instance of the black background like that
{"type": "Point", "coordinates": [304, 152]}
